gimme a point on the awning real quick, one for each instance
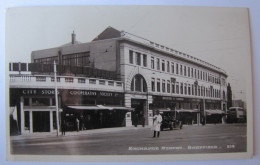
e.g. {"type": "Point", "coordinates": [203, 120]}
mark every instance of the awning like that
{"type": "Point", "coordinates": [214, 112]}
{"type": "Point", "coordinates": [188, 110]}
{"type": "Point", "coordinates": [101, 107]}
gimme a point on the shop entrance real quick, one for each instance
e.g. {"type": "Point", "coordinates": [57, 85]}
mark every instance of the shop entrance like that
{"type": "Point", "coordinates": [139, 115]}
{"type": "Point", "coordinates": [41, 121]}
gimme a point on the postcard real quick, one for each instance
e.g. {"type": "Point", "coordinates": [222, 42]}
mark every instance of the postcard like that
{"type": "Point", "coordinates": [128, 83]}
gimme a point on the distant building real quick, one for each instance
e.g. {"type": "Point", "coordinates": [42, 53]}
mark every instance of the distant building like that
{"type": "Point", "coordinates": [238, 103]}
{"type": "Point", "coordinates": [116, 72]}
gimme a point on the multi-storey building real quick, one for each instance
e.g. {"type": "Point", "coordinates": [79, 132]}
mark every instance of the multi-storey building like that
{"type": "Point", "coordinates": [131, 71]}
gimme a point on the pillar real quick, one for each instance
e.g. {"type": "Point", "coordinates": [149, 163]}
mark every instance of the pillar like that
{"type": "Point", "coordinates": [21, 115]}
{"type": "Point", "coordinates": [31, 121]}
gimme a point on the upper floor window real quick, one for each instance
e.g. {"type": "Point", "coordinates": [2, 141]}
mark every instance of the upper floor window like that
{"type": "Point", "coordinates": [158, 85]}
{"type": "Point", "coordinates": [131, 57]}
{"type": "Point", "coordinates": [138, 84]}
{"type": "Point", "coordinates": [184, 70]}
{"type": "Point", "coordinates": [158, 63]}
{"type": "Point", "coordinates": [181, 70]}
{"type": "Point", "coordinates": [163, 65]}
{"type": "Point", "coordinates": [188, 71]}
{"type": "Point", "coordinates": [177, 68]}
{"type": "Point", "coordinates": [138, 58]}
{"type": "Point", "coordinates": [163, 85]}
{"type": "Point", "coordinates": [152, 62]}
{"type": "Point", "coordinates": [144, 60]}
{"type": "Point", "coordinates": [168, 66]}
{"type": "Point", "coordinates": [172, 67]}
{"type": "Point", "coordinates": [153, 84]}
{"type": "Point", "coordinates": [168, 86]}
{"type": "Point", "coordinates": [192, 72]}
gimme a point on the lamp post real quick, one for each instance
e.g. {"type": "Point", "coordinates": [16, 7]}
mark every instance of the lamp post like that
{"type": "Point", "coordinates": [56, 99]}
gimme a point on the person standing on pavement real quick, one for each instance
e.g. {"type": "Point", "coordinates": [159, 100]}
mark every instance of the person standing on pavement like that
{"type": "Point", "coordinates": [63, 126]}
{"type": "Point", "coordinates": [77, 123]}
{"type": "Point", "coordinates": [157, 121]}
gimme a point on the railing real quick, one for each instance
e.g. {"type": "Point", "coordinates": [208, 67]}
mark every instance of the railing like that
{"type": "Point", "coordinates": [169, 50]}
{"type": "Point", "coordinates": [47, 81]}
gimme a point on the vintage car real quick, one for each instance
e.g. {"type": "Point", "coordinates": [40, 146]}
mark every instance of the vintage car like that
{"type": "Point", "coordinates": [170, 120]}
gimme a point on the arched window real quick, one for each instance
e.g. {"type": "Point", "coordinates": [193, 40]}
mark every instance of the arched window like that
{"type": "Point", "coordinates": [138, 84]}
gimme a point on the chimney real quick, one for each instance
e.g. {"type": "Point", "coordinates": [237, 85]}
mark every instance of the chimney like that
{"type": "Point", "coordinates": [73, 38]}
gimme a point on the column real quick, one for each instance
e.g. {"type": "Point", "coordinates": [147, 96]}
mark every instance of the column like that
{"type": "Point", "coordinates": [21, 115]}
{"type": "Point", "coordinates": [31, 121]}
{"type": "Point", "coordinates": [51, 121]}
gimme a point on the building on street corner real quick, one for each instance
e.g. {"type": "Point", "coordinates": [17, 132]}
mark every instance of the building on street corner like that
{"type": "Point", "coordinates": [117, 79]}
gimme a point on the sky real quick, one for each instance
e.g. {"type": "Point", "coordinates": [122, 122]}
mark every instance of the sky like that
{"type": "Point", "coordinates": [220, 36]}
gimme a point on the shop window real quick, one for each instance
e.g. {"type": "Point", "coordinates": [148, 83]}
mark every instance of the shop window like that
{"type": "Point", "coordinates": [138, 84]}
{"type": "Point", "coordinates": [131, 57]}
{"type": "Point", "coordinates": [40, 102]}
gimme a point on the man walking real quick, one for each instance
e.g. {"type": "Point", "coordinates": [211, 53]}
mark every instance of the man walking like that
{"type": "Point", "coordinates": [157, 120]}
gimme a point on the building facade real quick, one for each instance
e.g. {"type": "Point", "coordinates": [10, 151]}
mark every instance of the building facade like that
{"type": "Point", "coordinates": [145, 76]}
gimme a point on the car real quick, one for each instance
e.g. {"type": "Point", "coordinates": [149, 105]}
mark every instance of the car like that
{"type": "Point", "coordinates": [169, 120]}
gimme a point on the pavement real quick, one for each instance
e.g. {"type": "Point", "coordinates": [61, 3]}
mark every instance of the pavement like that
{"type": "Point", "coordinates": [38, 135]}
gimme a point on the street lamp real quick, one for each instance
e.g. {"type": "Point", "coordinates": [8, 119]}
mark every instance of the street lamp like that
{"type": "Point", "coordinates": [56, 99]}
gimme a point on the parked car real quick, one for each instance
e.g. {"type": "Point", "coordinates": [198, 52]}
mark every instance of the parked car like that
{"type": "Point", "coordinates": [169, 120]}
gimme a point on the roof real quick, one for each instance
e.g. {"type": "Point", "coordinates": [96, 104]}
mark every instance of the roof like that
{"type": "Point", "coordinates": [108, 33]}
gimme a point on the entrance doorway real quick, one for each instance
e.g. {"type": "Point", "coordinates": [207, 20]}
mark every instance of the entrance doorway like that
{"type": "Point", "coordinates": [139, 114]}
{"type": "Point", "coordinates": [41, 121]}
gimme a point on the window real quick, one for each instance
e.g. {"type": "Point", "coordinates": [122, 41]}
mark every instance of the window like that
{"type": "Point", "coordinates": [138, 84]}
{"type": "Point", "coordinates": [192, 90]}
{"type": "Point", "coordinates": [102, 82]}
{"type": "Point", "coordinates": [111, 83]}
{"type": "Point", "coordinates": [152, 62]}
{"type": "Point", "coordinates": [131, 57]}
{"type": "Point", "coordinates": [185, 89]}
{"type": "Point", "coordinates": [198, 74]}
{"type": "Point", "coordinates": [158, 85]}
{"type": "Point", "coordinates": [57, 78]}
{"type": "Point", "coordinates": [201, 75]}
{"type": "Point", "coordinates": [184, 70]}
{"type": "Point", "coordinates": [163, 85]}
{"type": "Point", "coordinates": [168, 66]}
{"type": "Point", "coordinates": [181, 88]}
{"type": "Point", "coordinates": [153, 84]}
{"type": "Point", "coordinates": [163, 65]}
{"type": "Point", "coordinates": [92, 81]}
{"type": "Point", "coordinates": [144, 60]}
{"type": "Point", "coordinates": [188, 71]}
{"type": "Point", "coordinates": [177, 68]}
{"type": "Point", "coordinates": [172, 67]}
{"type": "Point", "coordinates": [189, 92]}
{"type": "Point", "coordinates": [40, 78]}
{"type": "Point", "coordinates": [158, 63]}
{"type": "Point", "coordinates": [168, 86]}
{"type": "Point", "coordinates": [177, 88]}
{"type": "Point", "coordinates": [192, 72]}
{"type": "Point", "coordinates": [69, 80]}
{"type": "Point", "coordinates": [81, 80]}
{"type": "Point", "coordinates": [119, 84]}
{"type": "Point", "coordinates": [138, 58]}
{"type": "Point", "coordinates": [181, 70]}
{"type": "Point", "coordinates": [173, 87]}
{"type": "Point", "coordinates": [198, 90]}
{"type": "Point", "coordinates": [195, 73]}
{"type": "Point", "coordinates": [77, 59]}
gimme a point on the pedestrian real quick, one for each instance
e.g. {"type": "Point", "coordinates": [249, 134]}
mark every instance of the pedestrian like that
{"type": "Point", "coordinates": [63, 126]}
{"type": "Point", "coordinates": [77, 123]}
{"type": "Point", "coordinates": [157, 121]}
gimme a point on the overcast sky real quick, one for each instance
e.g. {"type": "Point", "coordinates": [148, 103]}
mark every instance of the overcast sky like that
{"type": "Point", "coordinates": [219, 36]}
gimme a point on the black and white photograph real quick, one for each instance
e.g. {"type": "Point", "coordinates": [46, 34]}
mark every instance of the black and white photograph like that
{"type": "Point", "coordinates": [128, 83]}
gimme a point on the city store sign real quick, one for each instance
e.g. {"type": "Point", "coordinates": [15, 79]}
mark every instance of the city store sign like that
{"type": "Point", "coordinates": [48, 92]}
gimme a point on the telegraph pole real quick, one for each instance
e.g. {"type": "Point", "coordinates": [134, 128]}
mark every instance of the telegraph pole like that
{"type": "Point", "coordinates": [56, 99]}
